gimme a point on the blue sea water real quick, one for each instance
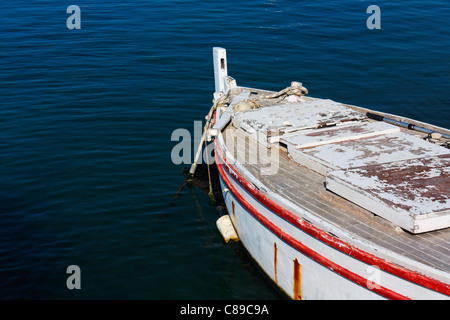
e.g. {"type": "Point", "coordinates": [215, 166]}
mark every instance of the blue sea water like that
{"type": "Point", "coordinates": [86, 118]}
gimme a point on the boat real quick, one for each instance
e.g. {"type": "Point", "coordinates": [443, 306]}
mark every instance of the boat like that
{"type": "Point", "coordinates": [331, 200]}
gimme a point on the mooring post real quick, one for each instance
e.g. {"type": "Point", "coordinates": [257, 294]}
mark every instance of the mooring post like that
{"type": "Point", "coordinates": [220, 74]}
{"type": "Point", "coordinates": [220, 68]}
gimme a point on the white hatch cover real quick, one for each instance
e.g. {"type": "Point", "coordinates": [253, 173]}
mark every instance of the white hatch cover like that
{"type": "Point", "coordinates": [400, 177]}
{"type": "Point", "coordinates": [378, 149]}
{"type": "Point", "coordinates": [352, 131]}
{"type": "Point", "coordinates": [273, 121]}
{"type": "Point", "coordinates": [414, 194]}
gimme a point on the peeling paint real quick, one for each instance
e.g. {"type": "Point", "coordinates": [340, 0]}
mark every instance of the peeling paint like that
{"type": "Point", "coordinates": [410, 192]}
{"type": "Point", "coordinates": [301, 115]}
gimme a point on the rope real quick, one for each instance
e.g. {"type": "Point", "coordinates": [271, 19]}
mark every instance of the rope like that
{"type": "Point", "coordinates": [216, 103]}
{"type": "Point", "coordinates": [211, 193]}
{"type": "Point", "coordinates": [296, 89]}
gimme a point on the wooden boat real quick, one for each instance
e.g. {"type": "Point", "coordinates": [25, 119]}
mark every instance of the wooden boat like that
{"type": "Point", "coordinates": [333, 201]}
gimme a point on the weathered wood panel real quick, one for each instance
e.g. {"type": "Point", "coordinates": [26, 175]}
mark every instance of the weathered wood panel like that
{"type": "Point", "coordinates": [415, 193]}
{"type": "Point", "coordinates": [365, 152]}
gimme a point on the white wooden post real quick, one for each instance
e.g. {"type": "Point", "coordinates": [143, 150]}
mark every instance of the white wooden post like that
{"type": "Point", "coordinates": [220, 68]}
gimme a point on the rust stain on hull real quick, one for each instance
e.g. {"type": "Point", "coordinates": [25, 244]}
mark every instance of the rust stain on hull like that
{"type": "Point", "coordinates": [275, 253]}
{"type": "Point", "coordinates": [234, 214]}
{"type": "Point", "coordinates": [297, 292]}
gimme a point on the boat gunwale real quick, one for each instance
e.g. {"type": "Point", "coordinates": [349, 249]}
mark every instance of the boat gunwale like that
{"type": "Point", "coordinates": [400, 118]}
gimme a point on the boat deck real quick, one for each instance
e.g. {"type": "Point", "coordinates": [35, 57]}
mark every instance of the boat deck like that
{"type": "Point", "coordinates": [306, 189]}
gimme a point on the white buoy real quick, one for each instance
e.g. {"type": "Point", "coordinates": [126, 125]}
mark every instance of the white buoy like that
{"type": "Point", "coordinates": [226, 229]}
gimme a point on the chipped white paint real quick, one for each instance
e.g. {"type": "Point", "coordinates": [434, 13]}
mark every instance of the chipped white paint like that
{"type": "Point", "coordinates": [364, 152]}
{"type": "Point", "coordinates": [289, 117]}
{"type": "Point", "coordinates": [414, 194]}
{"type": "Point", "coordinates": [324, 136]}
